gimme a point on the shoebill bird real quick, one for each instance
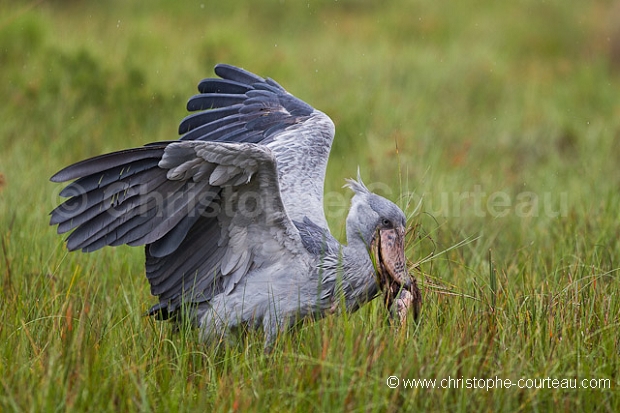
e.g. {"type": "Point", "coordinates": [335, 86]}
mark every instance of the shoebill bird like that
{"type": "Point", "coordinates": [231, 215]}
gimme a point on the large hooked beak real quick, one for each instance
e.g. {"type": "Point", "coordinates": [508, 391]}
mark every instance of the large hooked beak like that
{"type": "Point", "coordinates": [402, 295]}
{"type": "Point", "coordinates": [389, 252]}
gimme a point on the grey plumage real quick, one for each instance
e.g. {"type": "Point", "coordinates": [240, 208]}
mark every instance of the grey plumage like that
{"type": "Point", "coordinates": [231, 215]}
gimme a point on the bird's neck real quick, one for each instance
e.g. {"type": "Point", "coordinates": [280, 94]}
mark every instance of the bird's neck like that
{"type": "Point", "coordinates": [359, 284]}
{"type": "Point", "coordinates": [347, 277]}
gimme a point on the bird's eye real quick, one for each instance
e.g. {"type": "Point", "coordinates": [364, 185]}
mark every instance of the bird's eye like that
{"type": "Point", "coordinates": [386, 222]}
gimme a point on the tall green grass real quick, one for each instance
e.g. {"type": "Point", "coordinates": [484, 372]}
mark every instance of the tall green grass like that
{"type": "Point", "coordinates": [495, 125]}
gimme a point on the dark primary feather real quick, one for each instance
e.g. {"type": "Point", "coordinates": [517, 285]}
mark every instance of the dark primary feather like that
{"type": "Point", "coordinates": [206, 117]}
{"type": "Point", "coordinates": [109, 160]}
{"type": "Point", "coordinates": [237, 74]}
{"type": "Point", "coordinates": [215, 118]}
{"type": "Point", "coordinates": [91, 182]}
{"type": "Point", "coordinates": [241, 107]}
{"type": "Point", "coordinates": [213, 100]}
{"type": "Point", "coordinates": [212, 85]}
{"type": "Point", "coordinates": [223, 131]}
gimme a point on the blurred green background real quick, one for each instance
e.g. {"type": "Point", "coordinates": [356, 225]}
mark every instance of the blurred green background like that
{"type": "Point", "coordinates": [500, 119]}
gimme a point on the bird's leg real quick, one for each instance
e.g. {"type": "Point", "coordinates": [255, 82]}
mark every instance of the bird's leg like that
{"type": "Point", "coordinates": [271, 329]}
{"type": "Point", "coordinates": [212, 327]}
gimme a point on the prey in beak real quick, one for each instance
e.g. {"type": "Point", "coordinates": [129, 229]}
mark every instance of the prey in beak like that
{"type": "Point", "coordinates": [402, 295]}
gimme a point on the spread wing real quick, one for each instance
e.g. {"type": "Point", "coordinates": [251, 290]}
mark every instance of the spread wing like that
{"type": "Point", "coordinates": [243, 107]}
{"type": "Point", "coordinates": [216, 205]}
{"type": "Point", "coordinates": [249, 140]}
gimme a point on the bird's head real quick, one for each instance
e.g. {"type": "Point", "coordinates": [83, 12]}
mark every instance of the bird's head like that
{"type": "Point", "coordinates": [381, 226]}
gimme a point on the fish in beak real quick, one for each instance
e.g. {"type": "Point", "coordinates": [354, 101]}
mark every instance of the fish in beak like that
{"type": "Point", "coordinates": [402, 302]}
{"type": "Point", "coordinates": [402, 295]}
